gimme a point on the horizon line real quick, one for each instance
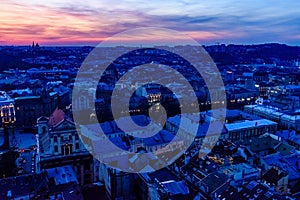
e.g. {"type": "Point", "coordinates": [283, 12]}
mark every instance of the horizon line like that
{"type": "Point", "coordinates": [95, 45]}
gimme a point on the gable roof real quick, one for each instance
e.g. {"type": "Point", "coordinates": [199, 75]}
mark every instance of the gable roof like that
{"type": "Point", "coordinates": [56, 117]}
{"type": "Point", "coordinates": [63, 125]}
{"type": "Point", "coordinates": [42, 119]}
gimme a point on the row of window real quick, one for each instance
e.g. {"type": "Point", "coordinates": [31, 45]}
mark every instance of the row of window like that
{"type": "Point", "coordinates": [64, 138]}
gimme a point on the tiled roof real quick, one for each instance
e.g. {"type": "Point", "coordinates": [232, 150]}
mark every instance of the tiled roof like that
{"type": "Point", "coordinates": [56, 117]}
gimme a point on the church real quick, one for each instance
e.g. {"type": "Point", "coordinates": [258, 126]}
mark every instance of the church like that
{"type": "Point", "coordinates": [59, 145]}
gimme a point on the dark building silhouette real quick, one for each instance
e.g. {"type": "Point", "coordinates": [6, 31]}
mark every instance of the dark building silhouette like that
{"type": "Point", "coordinates": [29, 108]}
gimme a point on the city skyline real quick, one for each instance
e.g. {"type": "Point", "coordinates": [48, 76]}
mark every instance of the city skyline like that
{"type": "Point", "coordinates": [73, 23]}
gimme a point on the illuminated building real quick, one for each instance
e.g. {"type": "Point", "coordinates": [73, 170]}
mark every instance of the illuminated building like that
{"type": "Point", "coordinates": [8, 118]}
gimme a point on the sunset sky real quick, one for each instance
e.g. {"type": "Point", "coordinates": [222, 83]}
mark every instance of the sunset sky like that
{"type": "Point", "coordinates": [88, 22]}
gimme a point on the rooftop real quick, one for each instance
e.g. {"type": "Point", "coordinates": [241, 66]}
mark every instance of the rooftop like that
{"type": "Point", "coordinates": [22, 185]}
{"type": "Point", "coordinates": [174, 187]}
{"type": "Point", "coordinates": [248, 124]}
{"type": "Point", "coordinates": [234, 169]}
{"type": "Point", "coordinates": [5, 98]}
{"type": "Point", "coordinates": [62, 175]}
{"type": "Point", "coordinates": [273, 175]}
{"type": "Point", "coordinates": [163, 175]}
{"type": "Point", "coordinates": [263, 143]}
{"type": "Point", "coordinates": [278, 160]}
{"type": "Point", "coordinates": [267, 110]}
{"type": "Point", "coordinates": [56, 117]}
{"type": "Point", "coordinates": [214, 180]}
{"type": "Point", "coordinates": [162, 137]}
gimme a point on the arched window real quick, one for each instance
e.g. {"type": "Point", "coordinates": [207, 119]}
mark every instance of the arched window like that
{"type": "Point", "coordinates": [66, 149]}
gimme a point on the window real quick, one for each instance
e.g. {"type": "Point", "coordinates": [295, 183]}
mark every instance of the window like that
{"type": "Point", "coordinates": [44, 129]}
{"type": "Point", "coordinates": [86, 166]}
{"type": "Point", "coordinates": [66, 149]}
{"type": "Point", "coordinates": [55, 138]}
{"type": "Point", "coordinates": [77, 146]}
{"type": "Point", "coordinates": [55, 148]}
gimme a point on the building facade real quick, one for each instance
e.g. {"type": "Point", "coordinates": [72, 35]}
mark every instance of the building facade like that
{"type": "Point", "coordinates": [284, 120]}
{"type": "Point", "coordinates": [248, 129]}
{"type": "Point", "coordinates": [59, 145]}
{"type": "Point", "coordinates": [29, 108]}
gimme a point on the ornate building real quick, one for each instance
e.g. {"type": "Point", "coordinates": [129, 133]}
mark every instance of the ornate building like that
{"type": "Point", "coordinates": [7, 116]}
{"type": "Point", "coordinates": [7, 119]}
{"type": "Point", "coordinates": [60, 145]}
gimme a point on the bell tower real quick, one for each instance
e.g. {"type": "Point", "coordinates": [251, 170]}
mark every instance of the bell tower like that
{"type": "Point", "coordinates": [8, 118]}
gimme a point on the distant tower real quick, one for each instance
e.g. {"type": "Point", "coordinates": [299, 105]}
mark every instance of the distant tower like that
{"type": "Point", "coordinates": [35, 47]}
{"type": "Point", "coordinates": [8, 118]}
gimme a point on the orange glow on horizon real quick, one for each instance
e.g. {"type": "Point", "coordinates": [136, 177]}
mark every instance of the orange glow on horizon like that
{"type": "Point", "coordinates": [22, 24]}
{"type": "Point", "coordinates": [73, 22]}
